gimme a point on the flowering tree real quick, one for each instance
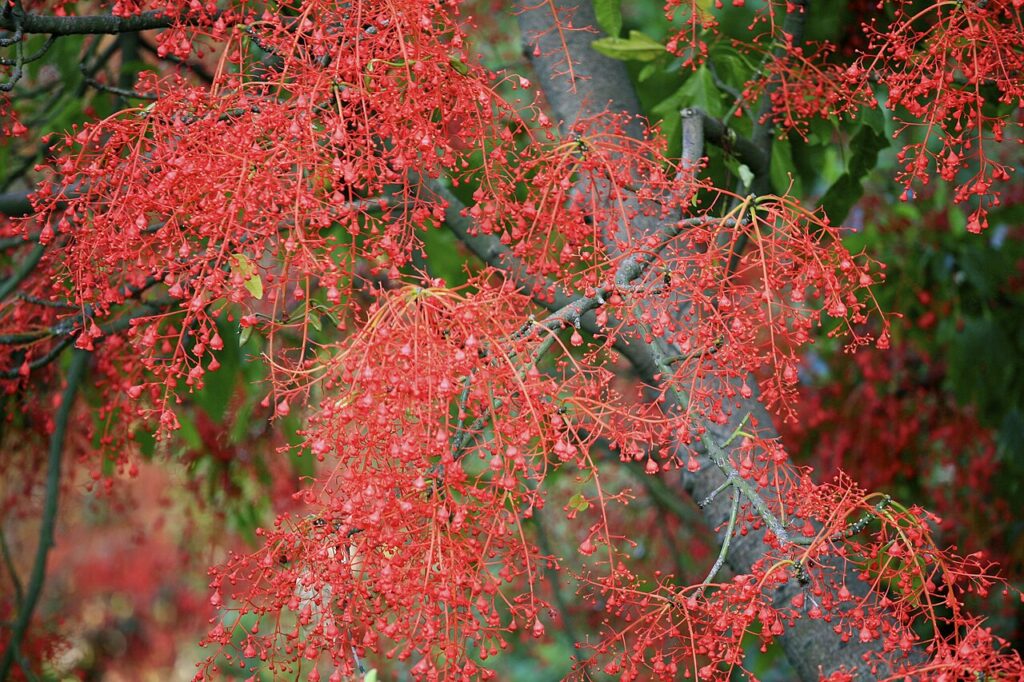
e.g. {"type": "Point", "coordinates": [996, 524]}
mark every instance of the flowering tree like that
{"type": "Point", "coordinates": [506, 346]}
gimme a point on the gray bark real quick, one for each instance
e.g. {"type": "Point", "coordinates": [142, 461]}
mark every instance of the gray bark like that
{"type": "Point", "coordinates": [602, 84]}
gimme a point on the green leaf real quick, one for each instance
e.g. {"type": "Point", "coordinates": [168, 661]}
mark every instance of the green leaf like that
{"type": "Point", "coordinates": [840, 197]}
{"type": "Point", "coordinates": [810, 164]}
{"type": "Point", "coordinates": [146, 440]}
{"type": "Point", "coordinates": [703, 10]}
{"type": "Point", "coordinates": [981, 363]}
{"type": "Point", "coordinates": [873, 117]}
{"type": "Point", "coordinates": [699, 91]}
{"type": "Point", "coordinates": [646, 72]}
{"type": "Point", "coordinates": [243, 419]}
{"type": "Point", "coordinates": [732, 68]}
{"type": "Point", "coordinates": [314, 319]}
{"type": "Point", "coordinates": [187, 432]}
{"type": "Point", "coordinates": [244, 335]}
{"type": "Point", "coordinates": [609, 16]}
{"type": "Point", "coordinates": [442, 252]}
{"type": "Point", "coordinates": [847, 190]}
{"type": "Point", "coordinates": [866, 144]}
{"type": "Point", "coordinates": [639, 47]}
{"type": "Point", "coordinates": [219, 386]}
{"type": "Point", "coordinates": [957, 219]}
{"type": "Point", "coordinates": [243, 267]}
{"type": "Point", "coordinates": [578, 502]}
{"type": "Point", "coordinates": [254, 285]}
{"type": "Point", "coordinates": [460, 66]}
{"type": "Point", "coordinates": [782, 166]}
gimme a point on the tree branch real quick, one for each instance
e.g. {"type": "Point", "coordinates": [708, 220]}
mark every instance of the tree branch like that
{"type": "Point", "coordinates": [15, 204]}
{"type": "Point", "coordinates": [812, 646]}
{"type": "Point", "coordinates": [24, 270]}
{"type": "Point", "coordinates": [76, 372]}
{"type": "Point", "coordinates": [757, 159]}
{"type": "Point", "coordinates": [578, 82]}
{"type": "Point", "coordinates": [195, 67]}
{"type": "Point", "coordinates": [490, 250]}
{"type": "Point", "coordinates": [97, 24]}
{"type": "Point", "coordinates": [19, 592]}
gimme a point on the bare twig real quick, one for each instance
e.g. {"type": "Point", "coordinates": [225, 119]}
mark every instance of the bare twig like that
{"type": "Point", "coordinates": [723, 551]}
{"type": "Point", "coordinates": [35, 56]}
{"type": "Point", "coordinates": [119, 91]}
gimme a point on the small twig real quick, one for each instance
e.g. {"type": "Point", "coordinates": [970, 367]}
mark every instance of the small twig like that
{"type": "Point", "coordinates": [42, 361]}
{"type": "Point", "coordinates": [744, 150]}
{"type": "Point", "coordinates": [35, 56]}
{"type": "Point", "coordinates": [24, 337]}
{"type": "Point", "coordinates": [636, 264]}
{"type": "Point", "coordinates": [736, 95]}
{"type": "Point", "coordinates": [258, 40]}
{"type": "Point", "coordinates": [572, 313]}
{"type": "Point", "coordinates": [545, 292]}
{"type": "Point", "coordinates": [488, 247]}
{"type": "Point", "coordinates": [16, 16]}
{"type": "Point", "coordinates": [852, 529]}
{"type": "Point", "coordinates": [12, 17]}
{"type": "Point", "coordinates": [226, 116]}
{"type": "Point", "coordinates": [724, 549]}
{"type": "Point", "coordinates": [696, 354]}
{"type": "Point", "coordinates": [738, 431]}
{"type": "Point", "coordinates": [721, 460]}
{"type": "Point", "coordinates": [729, 481]}
{"type": "Point", "coordinates": [714, 493]}
{"type": "Point", "coordinates": [121, 92]}
{"type": "Point", "coordinates": [359, 662]}
{"type": "Point", "coordinates": [35, 300]}
{"type": "Point", "coordinates": [198, 69]}
{"type": "Point", "coordinates": [66, 329]}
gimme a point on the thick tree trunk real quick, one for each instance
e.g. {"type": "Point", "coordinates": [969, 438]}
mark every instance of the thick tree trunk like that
{"type": "Point", "coordinates": [602, 85]}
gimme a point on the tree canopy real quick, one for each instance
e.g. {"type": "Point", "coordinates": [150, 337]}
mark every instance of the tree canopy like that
{"type": "Point", "coordinates": [426, 339]}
